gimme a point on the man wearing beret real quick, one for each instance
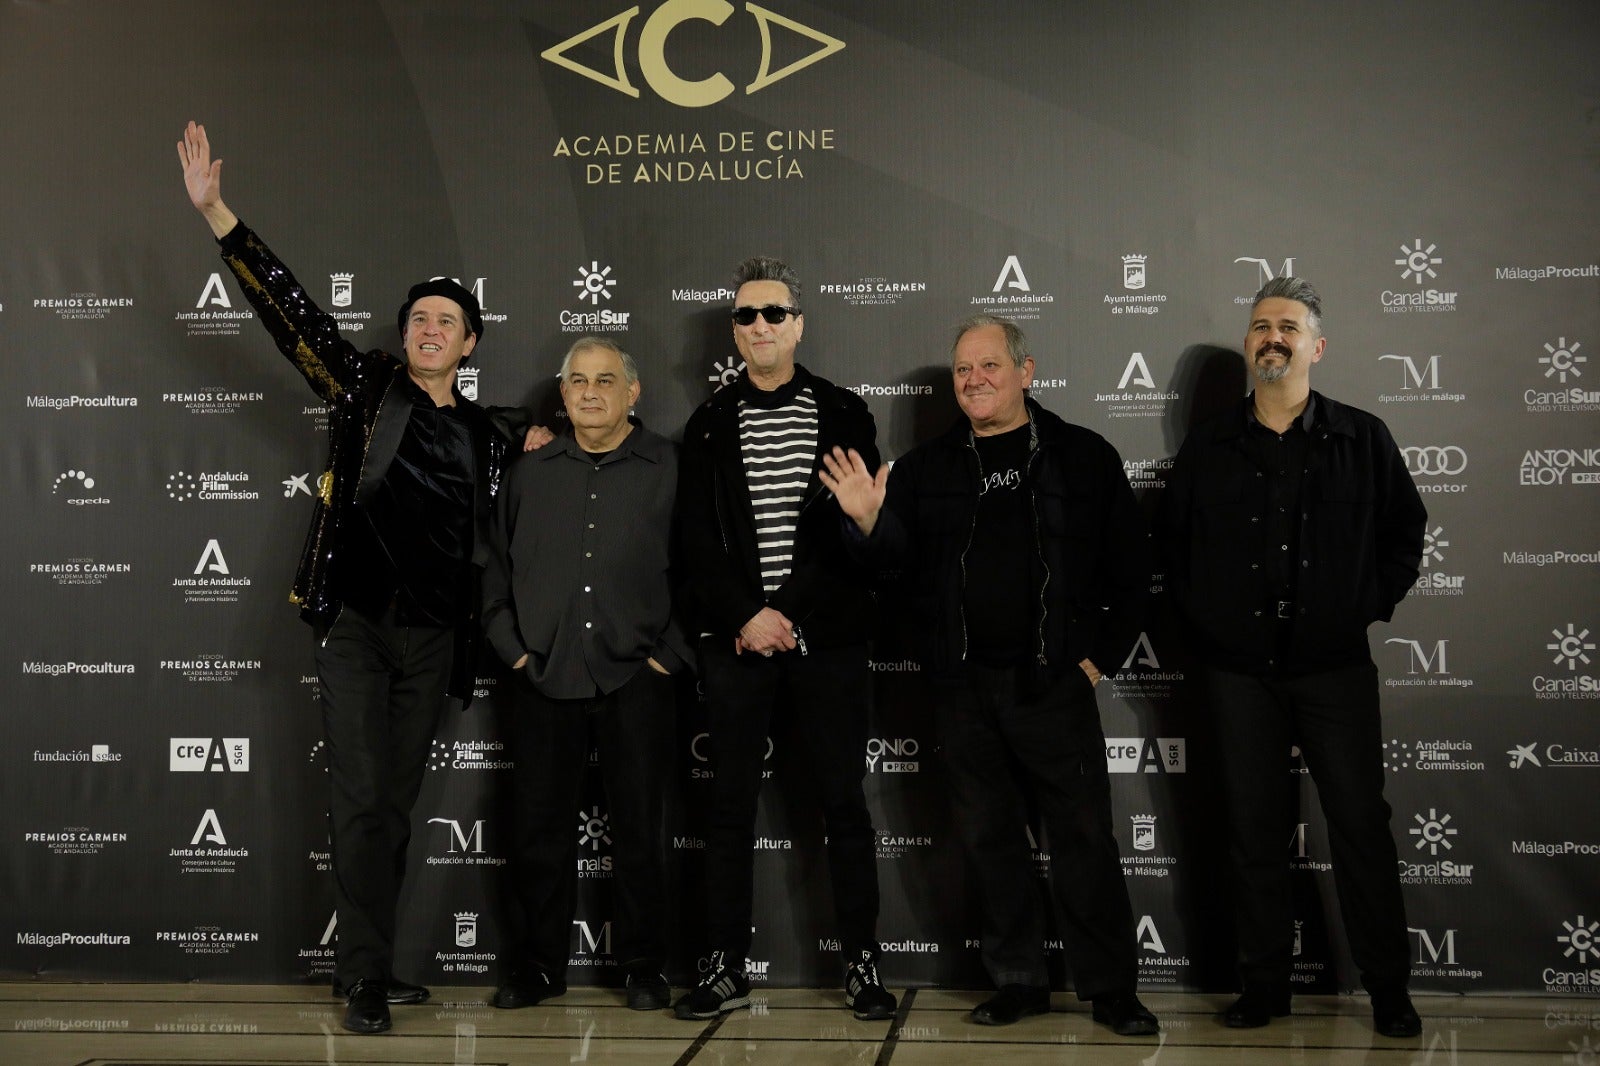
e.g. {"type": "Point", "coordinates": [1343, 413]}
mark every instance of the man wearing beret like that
{"type": "Point", "coordinates": [389, 574]}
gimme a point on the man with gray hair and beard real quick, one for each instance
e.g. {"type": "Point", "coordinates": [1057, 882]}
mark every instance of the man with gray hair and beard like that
{"type": "Point", "coordinates": [1290, 525]}
{"type": "Point", "coordinates": [578, 601]}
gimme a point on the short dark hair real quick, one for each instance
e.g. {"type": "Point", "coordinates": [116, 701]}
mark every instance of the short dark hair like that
{"type": "Point", "coordinates": [1290, 287]}
{"type": "Point", "coordinates": [766, 268]}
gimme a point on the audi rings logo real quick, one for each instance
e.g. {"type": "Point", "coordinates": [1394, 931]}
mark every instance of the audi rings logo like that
{"type": "Point", "coordinates": [1435, 461]}
{"type": "Point", "coordinates": [698, 748]}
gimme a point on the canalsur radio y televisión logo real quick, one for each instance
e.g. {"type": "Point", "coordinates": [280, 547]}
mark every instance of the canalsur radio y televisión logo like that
{"type": "Point", "coordinates": [1435, 580]}
{"type": "Point", "coordinates": [1571, 652]}
{"type": "Point", "coordinates": [1579, 944]}
{"type": "Point", "coordinates": [1417, 263]}
{"type": "Point", "coordinates": [1561, 389]}
{"type": "Point", "coordinates": [1434, 838]}
{"type": "Point", "coordinates": [594, 285]}
{"type": "Point", "coordinates": [1134, 300]}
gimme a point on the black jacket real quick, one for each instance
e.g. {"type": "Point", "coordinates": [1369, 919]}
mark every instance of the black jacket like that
{"type": "Point", "coordinates": [368, 417]}
{"type": "Point", "coordinates": [579, 577]}
{"type": "Point", "coordinates": [1360, 541]}
{"type": "Point", "coordinates": [826, 594]}
{"type": "Point", "coordinates": [1087, 548]}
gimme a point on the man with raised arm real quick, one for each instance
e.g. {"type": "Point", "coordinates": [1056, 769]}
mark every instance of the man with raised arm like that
{"type": "Point", "coordinates": [1027, 560]}
{"type": "Point", "coordinates": [389, 574]}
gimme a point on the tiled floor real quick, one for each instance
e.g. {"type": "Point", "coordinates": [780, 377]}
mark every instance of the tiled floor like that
{"type": "Point", "coordinates": [55, 1024]}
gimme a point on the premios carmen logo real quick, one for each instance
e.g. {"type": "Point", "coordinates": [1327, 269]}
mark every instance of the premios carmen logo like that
{"type": "Point", "coordinates": [681, 156]}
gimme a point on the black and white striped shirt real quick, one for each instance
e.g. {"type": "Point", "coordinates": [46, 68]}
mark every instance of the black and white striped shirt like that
{"type": "Point", "coordinates": [779, 448]}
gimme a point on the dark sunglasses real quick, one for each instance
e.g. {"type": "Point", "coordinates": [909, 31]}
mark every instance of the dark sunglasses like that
{"type": "Point", "coordinates": [773, 313]}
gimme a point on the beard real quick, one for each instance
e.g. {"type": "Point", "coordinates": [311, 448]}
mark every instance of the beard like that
{"type": "Point", "coordinates": [1269, 374]}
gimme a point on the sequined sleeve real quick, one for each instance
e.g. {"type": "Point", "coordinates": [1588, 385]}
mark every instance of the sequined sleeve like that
{"type": "Point", "coordinates": [303, 332]}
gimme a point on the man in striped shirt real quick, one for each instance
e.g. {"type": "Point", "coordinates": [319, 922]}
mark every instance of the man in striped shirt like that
{"type": "Point", "coordinates": [784, 617]}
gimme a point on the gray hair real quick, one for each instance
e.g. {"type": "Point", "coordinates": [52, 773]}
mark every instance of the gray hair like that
{"type": "Point", "coordinates": [630, 369]}
{"type": "Point", "coordinates": [766, 268]}
{"type": "Point", "coordinates": [1289, 287]}
{"type": "Point", "coordinates": [1016, 342]}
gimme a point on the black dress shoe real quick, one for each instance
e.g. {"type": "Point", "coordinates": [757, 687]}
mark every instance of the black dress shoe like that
{"type": "Point", "coordinates": [400, 993]}
{"type": "Point", "coordinates": [1255, 1009]}
{"type": "Point", "coordinates": [1393, 1015]}
{"type": "Point", "coordinates": [648, 990]}
{"type": "Point", "coordinates": [1126, 1016]}
{"type": "Point", "coordinates": [519, 991]}
{"type": "Point", "coordinates": [367, 1008]}
{"type": "Point", "coordinates": [1012, 1002]}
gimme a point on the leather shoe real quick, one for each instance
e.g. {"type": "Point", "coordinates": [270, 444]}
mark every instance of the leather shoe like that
{"type": "Point", "coordinates": [1126, 1016]}
{"type": "Point", "coordinates": [1012, 1002]}
{"type": "Point", "coordinates": [1393, 1015]}
{"type": "Point", "coordinates": [648, 990]}
{"type": "Point", "coordinates": [400, 994]}
{"type": "Point", "coordinates": [1255, 1009]}
{"type": "Point", "coordinates": [519, 991]}
{"type": "Point", "coordinates": [367, 1008]}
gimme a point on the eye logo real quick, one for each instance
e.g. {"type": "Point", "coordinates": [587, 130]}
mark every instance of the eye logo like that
{"type": "Point", "coordinates": [651, 50]}
{"type": "Point", "coordinates": [1417, 262]}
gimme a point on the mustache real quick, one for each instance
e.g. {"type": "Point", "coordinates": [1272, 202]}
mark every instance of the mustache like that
{"type": "Point", "coordinates": [1274, 347]}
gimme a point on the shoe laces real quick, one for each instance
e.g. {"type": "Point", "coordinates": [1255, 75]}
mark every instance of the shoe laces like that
{"type": "Point", "coordinates": [866, 970]}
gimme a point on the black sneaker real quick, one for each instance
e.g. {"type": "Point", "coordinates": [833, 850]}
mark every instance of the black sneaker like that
{"type": "Point", "coordinates": [722, 989]}
{"type": "Point", "coordinates": [648, 990]}
{"type": "Point", "coordinates": [864, 993]}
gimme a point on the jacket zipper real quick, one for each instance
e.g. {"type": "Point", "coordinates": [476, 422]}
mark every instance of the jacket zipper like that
{"type": "Point", "coordinates": [1038, 547]}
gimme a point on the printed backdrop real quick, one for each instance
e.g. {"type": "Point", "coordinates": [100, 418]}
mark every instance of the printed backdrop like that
{"type": "Point", "coordinates": [1120, 178]}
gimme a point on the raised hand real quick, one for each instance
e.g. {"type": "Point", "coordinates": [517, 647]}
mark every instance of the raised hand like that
{"type": "Point", "coordinates": [203, 178]}
{"type": "Point", "coordinates": [860, 493]}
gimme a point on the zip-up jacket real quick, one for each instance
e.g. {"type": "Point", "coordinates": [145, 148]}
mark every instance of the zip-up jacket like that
{"type": "Point", "coordinates": [1086, 547]}
{"type": "Point", "coordinates": [1360, 542]}
{"type": "Point", "coordinates": [826, 593]}
{"type": "Point", "coordinates": [366, 420]}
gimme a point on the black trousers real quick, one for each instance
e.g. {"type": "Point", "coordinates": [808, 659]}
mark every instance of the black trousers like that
{"type": "Point", "coordinates": [383, 690]}
{"type": "Point", "coordinates": [632, 729]}
{"type": "Point", "coordinates": [1333, 716]}
{"type": "Point", "coordinates": [996, 725]}
{"type": "Point", "coordinates": [824, 697]}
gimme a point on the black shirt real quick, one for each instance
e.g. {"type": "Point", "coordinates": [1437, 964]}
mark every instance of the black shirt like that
{"type": "Point", "coordinates": [998, 596]}
{"type": "Point", "coordinates": [409, 546]}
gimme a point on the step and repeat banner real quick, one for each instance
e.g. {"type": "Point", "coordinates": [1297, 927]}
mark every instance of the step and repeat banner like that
{"type": "Point", "coordinates": [1119, 178]}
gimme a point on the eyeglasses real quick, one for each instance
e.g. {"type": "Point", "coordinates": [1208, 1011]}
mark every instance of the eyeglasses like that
{"type": "Point", "coordinates": [773, 313]}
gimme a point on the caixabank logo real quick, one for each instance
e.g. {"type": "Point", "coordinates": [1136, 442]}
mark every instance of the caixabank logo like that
{"type": "Point", "coordinates": [661, 53]}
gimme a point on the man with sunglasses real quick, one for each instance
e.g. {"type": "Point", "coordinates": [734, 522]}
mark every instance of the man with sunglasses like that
{"type": "Point", "coordinates": [784, 617]}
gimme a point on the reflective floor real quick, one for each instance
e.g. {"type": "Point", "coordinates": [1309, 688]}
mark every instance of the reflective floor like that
{"type": "Point", "coordinates": [56, 1024]}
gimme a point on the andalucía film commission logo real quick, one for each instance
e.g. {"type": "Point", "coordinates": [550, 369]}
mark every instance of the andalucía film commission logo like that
{"type": "Point", "coordinates": [687, 156]}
